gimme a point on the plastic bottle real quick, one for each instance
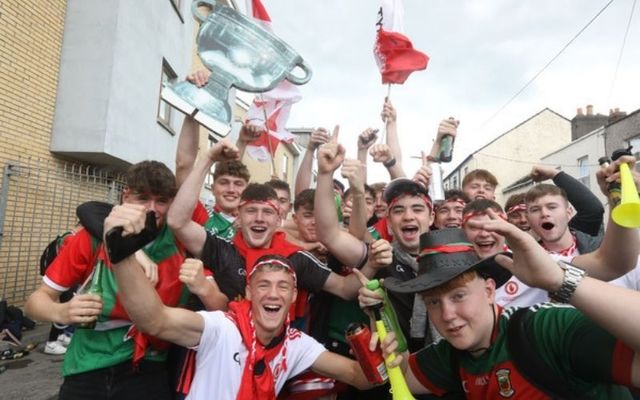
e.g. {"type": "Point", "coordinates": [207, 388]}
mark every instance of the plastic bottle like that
{"type": "Point", "coordinates": [388, 314]}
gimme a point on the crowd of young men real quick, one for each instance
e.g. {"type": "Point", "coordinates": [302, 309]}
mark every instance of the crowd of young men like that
{"type": "Point", "coordinates": [262, 300]}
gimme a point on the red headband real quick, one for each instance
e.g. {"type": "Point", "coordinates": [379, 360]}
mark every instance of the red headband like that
{"type": "Point", "coordinates": [267, 202]}
{"type": "Point", "coordinates": [452, 200]}
{"type": "Point", "coordinates": [426, 199]}
{"type": "Point", "coordinates": [472, 214]}
{"type": "Point", "coordinates": [517, 207]}
{"type": "Point", "coordinates": [277, 262]}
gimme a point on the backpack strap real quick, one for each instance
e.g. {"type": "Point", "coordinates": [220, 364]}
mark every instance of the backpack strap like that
{"type": "Point", "coordinates": [529, 362]}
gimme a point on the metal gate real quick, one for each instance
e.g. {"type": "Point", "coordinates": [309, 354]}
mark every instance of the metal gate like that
{"type": "Point", "coordinates": [38, 199]}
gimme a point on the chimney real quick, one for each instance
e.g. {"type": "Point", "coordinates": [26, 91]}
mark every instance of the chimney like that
{"type": "Point", "coordinates": [615, 115]}
{"type": "Point", "coordinates": [589, 109]}
{"type": "Point", "coordinates": [579, 111]}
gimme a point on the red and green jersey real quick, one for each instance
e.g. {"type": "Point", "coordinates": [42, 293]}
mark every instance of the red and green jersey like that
{"type": "Point", "coordinates": [109, 344]}
{"type": "Point", "coordinates": [591, 361]}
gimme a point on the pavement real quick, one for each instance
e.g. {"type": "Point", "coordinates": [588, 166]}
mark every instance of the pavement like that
{"type": "Point", "coordinates": [36, 376]}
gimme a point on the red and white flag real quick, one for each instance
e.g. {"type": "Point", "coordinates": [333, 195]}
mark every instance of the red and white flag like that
{"type": "Point", "coordinates": [394, 53]}
{"type": "Point", "coordinates": [274, 104]}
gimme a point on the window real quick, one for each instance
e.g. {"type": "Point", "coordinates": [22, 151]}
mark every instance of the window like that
{"type": "Point", "coordinates": [164, 109]}
{"type": "Point", "coordinates": [583, 170]}
{"type": "Point", "coordinates": [285, 167]}
{"type": "Point", "coordinates": [455, 183]}
{"type": "Point", "coordinates": [466, 171]}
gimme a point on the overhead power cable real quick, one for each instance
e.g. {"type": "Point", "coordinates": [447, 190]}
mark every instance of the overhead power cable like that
{"type": "Point", "coordinates": [624, 41]}
{"type": "Point", "coordinates": [526, 85]}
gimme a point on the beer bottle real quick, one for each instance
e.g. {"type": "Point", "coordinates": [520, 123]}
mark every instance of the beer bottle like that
{"type": "Point", "coordinates": [94, 287]}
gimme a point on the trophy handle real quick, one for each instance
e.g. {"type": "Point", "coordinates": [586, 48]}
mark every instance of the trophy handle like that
{"type": "Point", "coordinates": [197, 14]}
{"type": "Point", "coordinates": [300, 80]}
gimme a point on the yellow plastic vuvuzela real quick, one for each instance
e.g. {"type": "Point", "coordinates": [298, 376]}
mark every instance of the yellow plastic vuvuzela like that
{"type": "Point", "coordinates": [399, 388]}
{"type": "Point", "coordinates": [627, 213]}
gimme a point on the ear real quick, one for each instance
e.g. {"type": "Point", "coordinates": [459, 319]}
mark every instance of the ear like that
{"type": "Point", "coordinates": [247, 292]}
{"type": "Point", "coordinates": [490, 289]}
{"type": "Point", "coordinates": [295, 296]}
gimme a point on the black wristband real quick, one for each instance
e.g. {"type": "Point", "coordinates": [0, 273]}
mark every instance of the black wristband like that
{"type": "Point", "coordinates": [390, 163]}
{"type": "Point", "coordinates": [120, 247]}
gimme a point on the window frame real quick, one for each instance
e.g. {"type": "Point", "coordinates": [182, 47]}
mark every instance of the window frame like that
{"type": "Point", "coordinates": [172, 76]}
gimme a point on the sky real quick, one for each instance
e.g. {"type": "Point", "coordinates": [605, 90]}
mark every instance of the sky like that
{"type": "Point", "coordinates": [481, 53]}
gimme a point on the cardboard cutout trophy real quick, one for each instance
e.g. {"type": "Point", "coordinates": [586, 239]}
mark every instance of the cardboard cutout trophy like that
{"type": "Point", "coordinates": [239, 53]}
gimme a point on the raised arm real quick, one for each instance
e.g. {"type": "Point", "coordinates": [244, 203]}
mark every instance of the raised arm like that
{"type": "Point", "coordinates": [191, 234]}
{"type": "Point", "coordinates": [618, 253]}
{"type": "Point", "coordinates": [447, 126]}
{"type": "Point", "coordinates": [303, 177]}
{"type": "Point", "coordinates": [341, 244]}
{"type": "Point", "coordinates": [365, 140]}
{"type": "Point", "coordinates": [139, 297]}
{"type": "Point", "coordinates": [389, 117]}
{"type": "Point", "coordinates": [355, 172]}
{"type": "Point", "coordinates": [382, 153]}
{"type": "Point", "coordinates": [613, 308]}
{"type": "Point", "coordinates": [187, 150]}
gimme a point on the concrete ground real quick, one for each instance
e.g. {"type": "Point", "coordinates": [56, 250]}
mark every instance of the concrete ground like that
{"type": "Point", "coordinates": [36, 376]}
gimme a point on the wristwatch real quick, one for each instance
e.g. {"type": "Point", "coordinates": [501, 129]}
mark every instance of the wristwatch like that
{"type": "Point", "coordinates": [572, 277]}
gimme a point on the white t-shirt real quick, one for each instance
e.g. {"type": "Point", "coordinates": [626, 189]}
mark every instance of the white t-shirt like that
{"type": "Point", "coordinates": [516, 293]}
{"type": "Point", "coordinates": [221, 357]}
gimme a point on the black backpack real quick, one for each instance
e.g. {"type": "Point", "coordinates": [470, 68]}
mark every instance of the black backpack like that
{"type": "Point", "coordinates": [51, 251]}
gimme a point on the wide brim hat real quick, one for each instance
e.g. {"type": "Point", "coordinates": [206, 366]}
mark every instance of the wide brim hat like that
{"type": "Point", "coordinates": [402, 186]}
{"type": "Point", "coordinates": [445, 254]}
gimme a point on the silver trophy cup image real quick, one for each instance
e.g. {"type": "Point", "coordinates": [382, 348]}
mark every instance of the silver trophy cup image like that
{"type": "Point", "coordinates": [239, 53]}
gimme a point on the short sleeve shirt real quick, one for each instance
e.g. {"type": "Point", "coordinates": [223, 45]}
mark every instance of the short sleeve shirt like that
{"type": "Point", "coordinates": [221, 357]}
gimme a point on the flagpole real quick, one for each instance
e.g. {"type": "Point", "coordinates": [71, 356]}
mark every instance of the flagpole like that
{"type": "Point", "coordinates": [384, 136]}
{"type": "Point", "coordinates": [266, 127]}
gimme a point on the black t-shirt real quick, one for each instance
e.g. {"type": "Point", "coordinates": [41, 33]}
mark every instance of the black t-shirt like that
{"type": "Point", "coordinates": [228, 267]}
{"type": "Point", "coordinates": [402, 302]}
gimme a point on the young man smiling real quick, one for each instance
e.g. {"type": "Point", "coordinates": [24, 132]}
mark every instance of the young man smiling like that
{"type": "Point", "coordinates": [409, 214]}
{"type": "Point", "coordinates": [592, 347]}
{"type": "Point", "coordinates": [246, 353]}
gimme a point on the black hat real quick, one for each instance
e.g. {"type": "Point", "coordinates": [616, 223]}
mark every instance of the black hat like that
{"type": "Point", "coordinates": [445, 254]}
{"type": "Point", "coordinates": [402, 186]}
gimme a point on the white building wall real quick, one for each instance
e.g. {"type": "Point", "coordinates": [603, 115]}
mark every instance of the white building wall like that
{"type": "Point", "coordinates": [110, 75]}
{"type": "Point", "coordinates": [592, 147]}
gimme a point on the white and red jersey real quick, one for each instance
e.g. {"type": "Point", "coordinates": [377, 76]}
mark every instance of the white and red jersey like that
{"type": "Point", "coordinates": [516, 293]}
{"type": "Point", "coordinates": [221, 357]}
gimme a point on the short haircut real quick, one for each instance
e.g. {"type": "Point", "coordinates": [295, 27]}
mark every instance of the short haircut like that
{"type": "Point", "coordinates": [151, 177]}
{"type": "Point", "coordinates": [367, 189]}
{"type": "Point", "coordinates": [378, 187]}
{"type": "Point", "coordinates": [456, 194]}
{"type": "Point", "coordinates": [305, 199]}
{"type": "Point", "coordinates": [480, 174]}
{"type": "Point", "coordinates": [514, 200]}
{"type": "Point", "coordinates": [258, 192]}
{"type": "Point", "coordinates": [271, 263]}
{"type": "Point", "coordinates": [451, 284]}
{"type": "Point", "coordinates": [481, 206]}
{"type": "Point", "coordinates": [232, 168]}
{"type": "Point", "coordinates": [338, 185]}
{"type": "Point", "coordinates": [279, 184]}
{"type": "Point", "coordinates": [544, 189]}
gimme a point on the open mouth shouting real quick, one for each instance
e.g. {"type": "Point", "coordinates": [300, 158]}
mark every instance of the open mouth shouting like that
{"type": "Point", "coordinates": [486, 248]}
{"type": "Point", "coordinates": [547, 226]}
{"type": "Point", "coordinates": [410, 232]}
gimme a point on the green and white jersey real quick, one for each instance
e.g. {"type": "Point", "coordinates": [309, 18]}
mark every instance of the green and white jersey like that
{"type": "Point", "coordinates": [592, 362]}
